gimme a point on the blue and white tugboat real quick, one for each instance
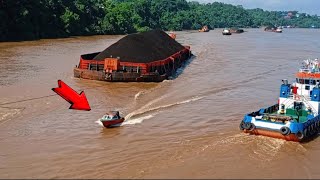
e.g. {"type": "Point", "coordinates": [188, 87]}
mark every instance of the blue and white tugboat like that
{"type": "Point", "coordinates": [295, 116]}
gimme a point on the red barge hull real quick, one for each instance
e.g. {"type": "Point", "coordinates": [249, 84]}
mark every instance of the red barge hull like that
{"type": "Point", "coordinates": [115, 70]}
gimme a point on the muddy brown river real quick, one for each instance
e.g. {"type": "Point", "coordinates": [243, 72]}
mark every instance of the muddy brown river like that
{"type": "Point", "coordinates": [186, 127]}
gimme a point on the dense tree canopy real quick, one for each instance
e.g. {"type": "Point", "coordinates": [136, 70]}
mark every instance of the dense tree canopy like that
{"type": "Point", "coordinates": [35, 19]}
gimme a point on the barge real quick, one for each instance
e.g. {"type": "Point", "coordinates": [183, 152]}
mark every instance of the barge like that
{"type": "Point", "coordinates": [143, 57]}
{"type": "Point", "coordinates": [296, 115]}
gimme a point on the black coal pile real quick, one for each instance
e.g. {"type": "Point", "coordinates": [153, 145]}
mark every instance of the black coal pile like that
{"type": "Point", "coordinates": [142, 47]}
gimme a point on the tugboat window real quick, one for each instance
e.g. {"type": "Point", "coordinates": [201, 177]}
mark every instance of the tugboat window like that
{"type": "Point", "coordinates": [307, 81]}
{"type": "Point", "coordinates": [307, 87]}
{"type": "Point", "coordinates": [301, 81]}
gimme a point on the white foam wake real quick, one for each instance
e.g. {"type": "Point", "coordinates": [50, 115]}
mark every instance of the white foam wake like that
{"type": "Point", "coordinates": [99, 122]}
{"type": "Point", "coordinates": [147, 108]}
{"type": "Point", "coordinates": [137, 95]}
{"type": "Point", "coordinates": [137, 120]}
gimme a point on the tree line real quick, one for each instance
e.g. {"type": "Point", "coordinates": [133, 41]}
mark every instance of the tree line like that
{"type": "Point", "coordinates": [37, 19]}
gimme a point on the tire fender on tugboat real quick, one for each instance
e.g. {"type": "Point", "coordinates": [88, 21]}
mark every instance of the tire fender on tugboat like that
{"type": "Point", "coordinates": [306, 132]}
{"type": "Point", "coordinates": [300, 135]}
{"type": "Point", "coordinates": [247, 125]}
{"type": "Point", "coordinates": [242, 126]}
{"type": "Point", "coordinates": [284, 130]}
{"type": "Point", "coordinates": [252, 127]}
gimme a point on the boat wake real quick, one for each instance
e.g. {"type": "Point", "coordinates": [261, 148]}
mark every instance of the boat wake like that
{"type": "Point", "coordinates": [99, 122]}
{"type": "Point", "coordinates": [147, 108]}
{"type": "Point", "coordinates": [7, 114]}
{"type": "Point", "coordinates": [262, 148]}
{"type": "Point", "coordinates": [138, 94]}
{"type": "Point", "coordinates": [136, 117]}
{"type": "Point", "coordinates": [141, 93]}
{"type": "Point", "coordinates": [137, 120]}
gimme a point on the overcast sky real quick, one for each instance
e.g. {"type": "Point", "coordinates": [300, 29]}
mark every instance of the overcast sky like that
{"type": "Point", "coordinates": [308, 6]}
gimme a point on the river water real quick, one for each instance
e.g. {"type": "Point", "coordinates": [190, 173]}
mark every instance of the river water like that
{"type": "Point", "coordinates": [186, 127]}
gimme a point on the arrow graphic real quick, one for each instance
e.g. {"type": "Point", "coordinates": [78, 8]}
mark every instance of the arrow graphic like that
{"type": "Point", "coordinates": [77, 101]}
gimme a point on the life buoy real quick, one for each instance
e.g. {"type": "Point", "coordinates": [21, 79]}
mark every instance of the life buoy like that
{"type": "Point", "coordinates": [299, 135]}
{"type": "Point", "coordinates": [285, 130]}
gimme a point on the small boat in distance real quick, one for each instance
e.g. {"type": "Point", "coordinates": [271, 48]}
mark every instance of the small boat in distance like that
{"type": "Point", "coordinates": [111, 118]}
{"type": "Point", "coordinates": [226, 31]}
{"type": "Point", "coordinates": [204, 29]}
{"type": "Point", "coordinates": [273, 29]}
{"type": "Point", "coordinates": [236, 30]}
{"type": "Point", "coordinates": [172, 35]}
{"type": "Point", "coordinates": [278, 30]}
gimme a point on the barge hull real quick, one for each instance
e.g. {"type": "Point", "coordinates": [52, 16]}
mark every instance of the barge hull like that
{"type": "Point", "coordinates": [156, 71]}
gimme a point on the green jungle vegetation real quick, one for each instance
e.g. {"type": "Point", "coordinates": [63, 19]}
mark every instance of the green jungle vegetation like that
{"type": "Point", "coordinates": [37, 19]}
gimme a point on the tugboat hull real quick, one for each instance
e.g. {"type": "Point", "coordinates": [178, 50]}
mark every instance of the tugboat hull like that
{"type": "Point", "coordinates": [266, 123]}
{"type": "Point", "coordinates": [273, 134]}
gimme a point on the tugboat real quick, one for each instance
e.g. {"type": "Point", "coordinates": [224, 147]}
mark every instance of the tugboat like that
{"type": "Point", "coordinates": [226, 31]}
{"type": "Point", "coordinates": [111, 119]}
{"type": "Point", "coordinates": [296, 115]}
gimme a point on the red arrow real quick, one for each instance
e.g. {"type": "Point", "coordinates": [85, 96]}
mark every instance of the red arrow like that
{"type": "Point", "coordinates": [77, 101]}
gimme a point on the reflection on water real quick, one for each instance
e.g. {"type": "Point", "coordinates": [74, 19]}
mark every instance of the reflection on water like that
{"type": "Point", "coordinates": [181, 128]}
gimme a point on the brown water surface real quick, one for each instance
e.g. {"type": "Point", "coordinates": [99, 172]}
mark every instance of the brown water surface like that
{"type": "Point", "coordinates": [181, 128]}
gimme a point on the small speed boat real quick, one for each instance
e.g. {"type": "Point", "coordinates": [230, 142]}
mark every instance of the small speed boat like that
{"type": "Point", "coordinates": [111, 119]}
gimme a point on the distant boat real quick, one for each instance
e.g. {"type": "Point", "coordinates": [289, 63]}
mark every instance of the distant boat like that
{"type": "Point", "coordinates": [279, 30]}
{"type": "Point", "coordinates": [172, 35]}
{"type": "Point", "coordinates": [236, 30]}
{"type": "Point", "coordinates": [273, 29]}
{"type": "Point", "coordinates": [204, 29]}
{"type": "Point", "coordinates": [226, 31]}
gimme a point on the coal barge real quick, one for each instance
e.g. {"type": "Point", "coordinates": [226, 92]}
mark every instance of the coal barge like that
{"type": "Point", "coordinates": [151, 56]}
